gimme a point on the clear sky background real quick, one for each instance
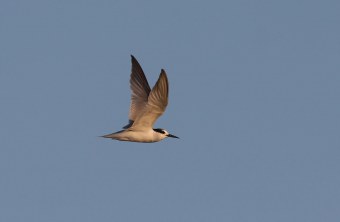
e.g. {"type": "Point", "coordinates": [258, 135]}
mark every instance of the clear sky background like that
{"type": "Point", "coordinates": [254, 97]}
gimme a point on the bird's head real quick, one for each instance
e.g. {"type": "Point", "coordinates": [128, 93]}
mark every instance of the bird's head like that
{"type": "Point", "coordinates": [164, 133]}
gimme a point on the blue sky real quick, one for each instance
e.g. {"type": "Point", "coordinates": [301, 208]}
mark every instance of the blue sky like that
{"type": "Point", "coordinates": [254, 97]}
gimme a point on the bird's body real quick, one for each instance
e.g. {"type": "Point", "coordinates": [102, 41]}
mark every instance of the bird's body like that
{"type": "Point", "coordinates": [143, 136]}
{"type": "Point", "coordinates": [146, 106]}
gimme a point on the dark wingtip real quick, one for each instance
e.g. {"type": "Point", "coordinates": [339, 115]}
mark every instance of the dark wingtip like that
{"type": "Point", "coordinates": [133, 58]}
{"type": "Point", "coordinates": [129, 124]}
{"type": "Point", "coordinates": [163, 73]}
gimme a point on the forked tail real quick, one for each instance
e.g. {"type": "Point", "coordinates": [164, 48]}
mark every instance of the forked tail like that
{"type": "Point", "coordinates": [108, 135]}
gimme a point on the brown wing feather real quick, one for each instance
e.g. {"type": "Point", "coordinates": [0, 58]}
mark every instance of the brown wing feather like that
{"type": "Point", "coordinates": [140, 90]}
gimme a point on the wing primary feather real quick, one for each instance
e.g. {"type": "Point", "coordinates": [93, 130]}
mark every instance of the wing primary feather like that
{"type": "Point", "coordinates": [160, 92]}
{"type": "Point", "coordinates": [140, 90]}
{"type": "Point", "coordinates": [138, 76]}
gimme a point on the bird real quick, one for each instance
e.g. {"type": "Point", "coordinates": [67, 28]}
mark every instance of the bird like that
{"type": "Point", "coordinates": [146, 107]}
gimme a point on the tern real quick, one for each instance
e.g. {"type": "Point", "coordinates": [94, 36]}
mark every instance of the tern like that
{"type": "Point", "coordinates": [145, 108]}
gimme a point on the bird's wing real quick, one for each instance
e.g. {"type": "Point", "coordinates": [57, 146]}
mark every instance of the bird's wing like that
{"type": "Point", "coordinates": [157, 102]}
{"type": "Point", "coordinates": [140, 91]}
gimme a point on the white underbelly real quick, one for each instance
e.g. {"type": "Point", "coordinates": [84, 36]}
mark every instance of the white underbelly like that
{"type": "Point", "coordinates": [144, 137]}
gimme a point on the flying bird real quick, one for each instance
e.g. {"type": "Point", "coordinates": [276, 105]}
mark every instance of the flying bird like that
{"type": "Point", "coordinates": [145, 108]}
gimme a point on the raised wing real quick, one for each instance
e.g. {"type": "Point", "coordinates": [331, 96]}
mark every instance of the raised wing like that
{"type": "Point", "coordinates": [156, 105]}
{"type": "Point", "coordinates": [140, 91]}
